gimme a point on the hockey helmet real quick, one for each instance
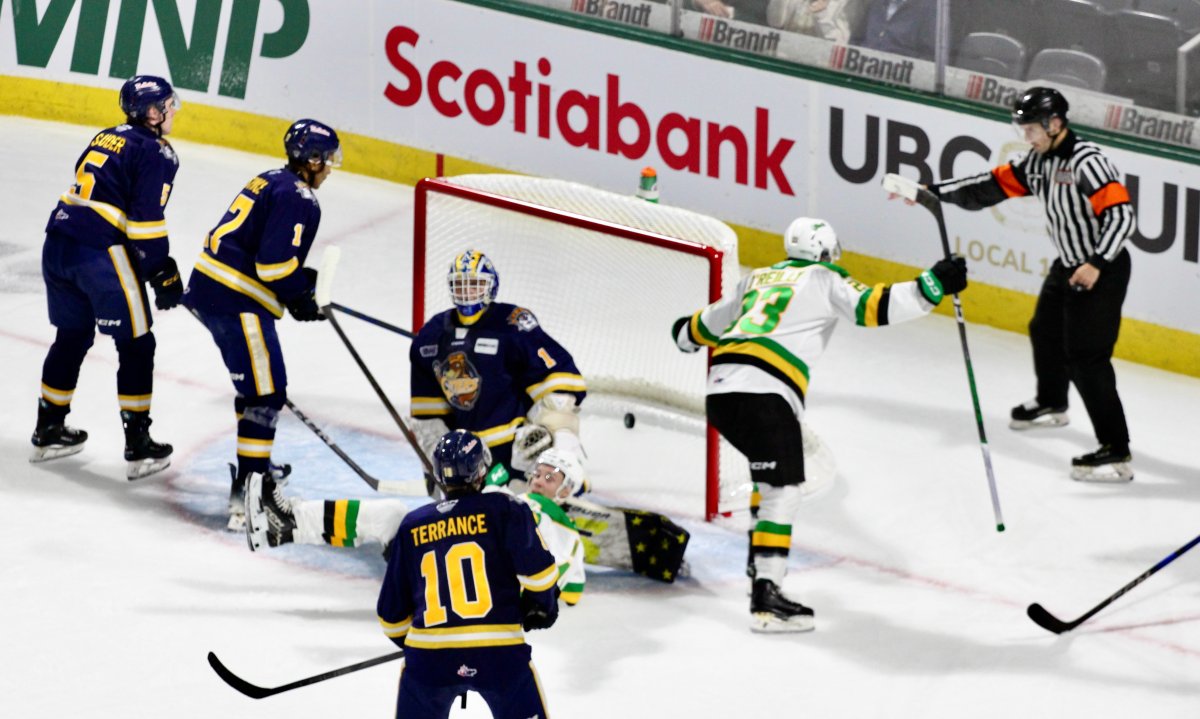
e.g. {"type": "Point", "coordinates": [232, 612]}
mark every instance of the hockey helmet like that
{"type": "Point", "coordinates": [142, 92]}
{"type": "Point", "coordinates": [460, 461]}
{"type": "Point", "coordinates": [811, 239]}
{"type": "Point", "coordinates": [1040, 104]}
{"type": "Point", "coordinates": [309, 140]}
{"type": "Point", "coordinates": [559, 461]}
{"type": "Point", "coordinates": [473, 284]}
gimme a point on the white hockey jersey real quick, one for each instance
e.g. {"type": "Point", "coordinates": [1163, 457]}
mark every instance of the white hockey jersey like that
{"type": "Point", "coordinates": [563, 541]}
{"type": "Point", "coordinates": [772, 330]}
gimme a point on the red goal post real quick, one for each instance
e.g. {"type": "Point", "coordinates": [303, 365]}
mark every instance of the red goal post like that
{"type": "Point", "coordinates": [606, 274]}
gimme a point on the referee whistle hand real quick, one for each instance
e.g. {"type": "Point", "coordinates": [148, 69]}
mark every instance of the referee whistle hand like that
{"type": "Point", "coordinates": [1084, 277]}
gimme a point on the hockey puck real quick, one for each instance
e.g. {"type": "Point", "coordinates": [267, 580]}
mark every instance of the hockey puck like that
{"type": "Point", "coordinates": [629, 420]}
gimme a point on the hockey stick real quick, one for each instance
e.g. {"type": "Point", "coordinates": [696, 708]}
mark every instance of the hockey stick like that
{"type": "Point", "coordinates": [913, 192]}
{"type": "Point", "coordinates": [329, 263]}
{"type": "Point", "coordinates": [1049, 622]}
{"type": "Point", "coordinates": [256, 692]}
{"type": "Point", "coordinates": [410, 487]}
{"type": "Point", "coordinates": [373, 320]}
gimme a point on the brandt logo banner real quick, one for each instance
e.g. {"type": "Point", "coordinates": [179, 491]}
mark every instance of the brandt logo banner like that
{"type": "Point", "coordinates": [628, 13]}
{"type": "Point", "coordinates": [891, 68]}
{"type": "Point", "coordinates": [1147, 123]}
{"type": "Point", "coordinates": [720, 32]}
{"type": "Point", "coordinates": [992, 91]}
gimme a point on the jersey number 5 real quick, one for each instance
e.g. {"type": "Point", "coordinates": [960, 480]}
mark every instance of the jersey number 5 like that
{"type": "Point", "coordinates": [464, 562]}
{"type": "Point", "coordinates": [761, 309]}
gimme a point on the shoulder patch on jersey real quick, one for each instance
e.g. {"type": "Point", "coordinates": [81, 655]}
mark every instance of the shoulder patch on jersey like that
{"type": "Point", "coordinates": [428, 351]}
{"type": "Point", "coordinates": [167, 151]}
{"type": "Point", "coordinates": [305, 191]}
{"type": "Point", "coordinates": [522, 319]}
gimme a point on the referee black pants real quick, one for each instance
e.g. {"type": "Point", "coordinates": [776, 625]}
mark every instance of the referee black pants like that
{"type": "Point", "coordinates": [1073, 335]}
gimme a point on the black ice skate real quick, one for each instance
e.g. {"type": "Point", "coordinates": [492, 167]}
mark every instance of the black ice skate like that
{"type": "Point", "coordinates": [52, 438]}
{"type": "Point", "coordinates": [772, 612]}
{"type": "Point", "coordinates": [144, 456]}
{"type": "Point", "coordinates": [269, 517]}
{"type": "Point", "coordinates": [56, 440]}
{"type": "Point", "coordinates": [1107, 464]}
{"type": "Point", "coordinates": [1032, 414]}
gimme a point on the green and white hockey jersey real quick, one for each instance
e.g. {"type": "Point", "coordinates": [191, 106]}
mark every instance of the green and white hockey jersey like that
{"type": "Point", "coordinates": [562, 539]}
{"type": "Point", "coordinates": [779, 321]}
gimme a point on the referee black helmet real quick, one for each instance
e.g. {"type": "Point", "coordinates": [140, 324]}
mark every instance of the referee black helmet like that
{"type": "Point", "coordinates": [1040, 104]}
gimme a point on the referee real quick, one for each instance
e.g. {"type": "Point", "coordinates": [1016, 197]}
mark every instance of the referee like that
{"type": "Point", "coordinates": [1078, 315]}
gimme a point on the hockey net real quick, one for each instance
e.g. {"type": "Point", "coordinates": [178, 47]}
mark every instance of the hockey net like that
{"type": "Point", "coordinates": [606, 275]}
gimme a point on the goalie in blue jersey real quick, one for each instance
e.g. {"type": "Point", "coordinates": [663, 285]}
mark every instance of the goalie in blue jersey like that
{"type": "Point", "coordinates": [490, 368]}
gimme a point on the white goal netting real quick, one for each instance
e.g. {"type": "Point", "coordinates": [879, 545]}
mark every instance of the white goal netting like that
{"type": "Point", "coordinates": [606, 275]}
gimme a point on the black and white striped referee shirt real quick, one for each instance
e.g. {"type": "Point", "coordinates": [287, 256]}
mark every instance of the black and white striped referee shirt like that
{"type": "Point", "coordinates": [1088, 212]}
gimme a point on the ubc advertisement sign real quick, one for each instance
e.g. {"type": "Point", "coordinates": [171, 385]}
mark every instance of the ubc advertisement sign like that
{"type": "Point", "coordinates": [750, 147]}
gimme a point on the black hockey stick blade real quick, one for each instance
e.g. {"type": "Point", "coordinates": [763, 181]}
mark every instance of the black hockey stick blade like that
{"type": "Point", "coordinates": [1048, 621]}
{"type": "Point", "coordinates": [256, 692]}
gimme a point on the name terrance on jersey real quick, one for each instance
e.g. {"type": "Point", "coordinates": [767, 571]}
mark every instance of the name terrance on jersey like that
{"type": "Point", "coordinates": [778, 322]}
{"type": "Point", "coordinates": [123, 180]}
{"type": "Point", "coordinates": [252, 258]}
{"type": "Point", "coordinates": [485, 377]}
{"type": "Point", "coordinates": [456, 572]}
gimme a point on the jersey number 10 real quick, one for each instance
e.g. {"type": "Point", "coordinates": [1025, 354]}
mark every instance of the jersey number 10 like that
{"type": "Point", "coordinates": [458, 559]}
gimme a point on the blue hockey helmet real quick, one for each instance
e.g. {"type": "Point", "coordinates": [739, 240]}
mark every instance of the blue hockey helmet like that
{"type": "Point", "coordinates": [142, 92]}
{"type": "Point", "coordinates": [460, 461]}
{"type": "Point", "coordinates": [311, 140]}
{"type": "Point", "coordinates": [473, 284]}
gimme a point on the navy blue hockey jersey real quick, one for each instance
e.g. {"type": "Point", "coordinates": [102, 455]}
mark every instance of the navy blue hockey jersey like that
{"type": "Point", "coordinates": [123, 180]}
{"type": "Point", "coordinates": [251, 259]}
{"type": "Point", "coordinates": [455, 575]}
{"type": "Point", "coordinates": [484, 377]}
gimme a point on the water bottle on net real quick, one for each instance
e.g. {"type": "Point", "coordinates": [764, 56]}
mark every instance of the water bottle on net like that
{"type": "Point", "coordinates": [648, 185]}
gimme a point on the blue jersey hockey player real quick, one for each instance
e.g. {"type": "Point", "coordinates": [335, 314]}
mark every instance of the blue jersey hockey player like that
{"type": "Point", "coordinates": [466, 578]}
{"type": "Point", "coordinates": [106, 237]}
{"type": "Point", "coordinates": [251, 269]}
{"type": "Point", "coordinates": [490, 368]}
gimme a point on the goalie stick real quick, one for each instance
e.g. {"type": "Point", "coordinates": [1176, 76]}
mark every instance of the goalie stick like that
{"type": "Point", "coordinates": [913, 192]}
{"type": "Point", "coordinates": [1049, 622]}
{"type": "Point", "coordinates": [410, 487]}
{"type": "Point", "coordinates": [324, 287]}
{"type": "Point", "coordinates": [256, 692]}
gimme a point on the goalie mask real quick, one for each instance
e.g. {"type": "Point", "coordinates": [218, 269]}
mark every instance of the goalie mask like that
{"type": "Point", "coordinates": [557, 475]}
{"type": "Point", "coordinates": [811, 239]}
{"type": "Point", "coordinates": [473, 284]}
{"type": "Point", "coordinates": [460, 461]}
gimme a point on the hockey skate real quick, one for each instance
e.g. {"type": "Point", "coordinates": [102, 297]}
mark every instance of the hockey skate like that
{"type": "Point", "coordinates": [56, 440]}
{"type": "Point", "coordinates": [1106, 464]}
{"type": "Point", "coordinates": [144, 456]}
{"type": "Point", "coordinates": [771, 612]}
{"type": "Point", "coordinates": [1031, 415]}
{"type": "Point", "coordinates": [269, 517]}
{"type": "Point", "coordinates": [237, 493]}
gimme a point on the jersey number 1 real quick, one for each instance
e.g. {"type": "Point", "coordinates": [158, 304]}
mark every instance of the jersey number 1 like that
{"type": "Point", "coordinates": [463, 553]}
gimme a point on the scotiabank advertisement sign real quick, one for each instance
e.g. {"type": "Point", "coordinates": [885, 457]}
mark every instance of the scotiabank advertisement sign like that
{"type": "Point", "coordinates": [744, 145]}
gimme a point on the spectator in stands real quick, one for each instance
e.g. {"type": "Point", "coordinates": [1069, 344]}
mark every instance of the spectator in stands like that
{"type": "Point", "coordinates": [827, 19]}
{"type": "Point", "coordinates": [751, 11]}
{"type": "Point", "coordinates": [902, 27]}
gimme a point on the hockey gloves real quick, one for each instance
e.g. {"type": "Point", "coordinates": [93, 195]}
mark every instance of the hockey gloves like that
{"type": "Point", "coordinates": [168, 288]}
{"type": "Point", "coordinates": [679, 331]}
{"type": "Point", "coordinates": [535, 612]}
{"type": "Point", "coordinates": [303, 307]}
{"type": "Point", "coordinates": [947, 277]}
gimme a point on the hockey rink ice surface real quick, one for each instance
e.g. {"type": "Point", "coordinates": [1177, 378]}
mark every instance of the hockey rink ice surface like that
{"type": "Point", "coordinates": [112, 593]}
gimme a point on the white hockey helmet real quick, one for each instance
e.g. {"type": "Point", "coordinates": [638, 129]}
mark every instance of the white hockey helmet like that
{"type": "Point", "coordinates": [565, 462]}
{"type": "Point", "coordinates": [808, 238]}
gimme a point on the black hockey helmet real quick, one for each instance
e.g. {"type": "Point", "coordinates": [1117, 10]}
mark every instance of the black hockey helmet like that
{"type": "Point", "coordinates": [1040, 104]}
{"type": "Point", "coordinates": [460, 461]}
